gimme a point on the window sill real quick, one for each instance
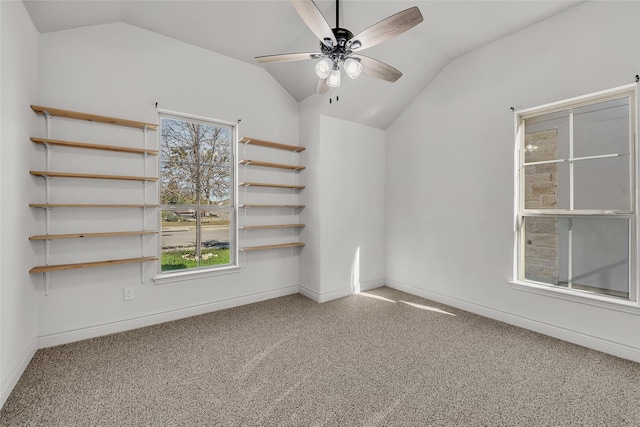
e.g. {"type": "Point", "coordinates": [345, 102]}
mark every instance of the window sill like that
{"type": "Point", "coordinates": [181, 276]}
{"type": "Point", "coordinates": [610, 303]}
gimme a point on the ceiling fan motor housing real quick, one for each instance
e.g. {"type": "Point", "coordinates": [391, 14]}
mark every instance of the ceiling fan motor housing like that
{"type": "Point", "coordinates": [341, 51]}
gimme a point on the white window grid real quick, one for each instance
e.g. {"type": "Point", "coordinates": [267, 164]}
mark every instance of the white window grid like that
{"type": "Point", "coordinates": [627, 91]}
{"type": "Point", "coordinates": [233, 206]}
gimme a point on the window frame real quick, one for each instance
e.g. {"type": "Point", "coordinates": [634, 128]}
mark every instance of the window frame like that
{"type": "Point", "coordinates": [519, 282]}
{"type": "Point", "coordinates": [233, 266]}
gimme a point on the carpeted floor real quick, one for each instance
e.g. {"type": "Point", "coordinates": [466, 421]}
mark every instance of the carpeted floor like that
{"type": "Point", "coordinates": [379, 358]}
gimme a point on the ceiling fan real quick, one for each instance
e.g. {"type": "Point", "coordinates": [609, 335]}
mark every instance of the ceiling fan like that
{"type": "Point", "coordinates": [338, 46]}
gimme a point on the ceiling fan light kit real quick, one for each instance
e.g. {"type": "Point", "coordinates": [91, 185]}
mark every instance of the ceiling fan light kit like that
{"type": "Point", "coordinates": [338, 45]}
{"type": "Point", "coordinates": [352, 67]}
{"type": "Point", "coordinates": [335, 77]}
{"type": "Point", "coordinates": [324, 67]}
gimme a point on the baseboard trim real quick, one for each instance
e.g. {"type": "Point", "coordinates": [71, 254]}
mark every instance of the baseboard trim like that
{"type": "Point", "coordinates": [328, 296]}
{"type": "Point", "coordinates": [13, 378]}
{"type": "Point", "coordinates": [306, 292]}
{"type": "Point", "coordinates": [579, 338]}
{"type": "Point", "coordinates": [153, 319]}
{"type": "Point", "coordinates": [372, 284]}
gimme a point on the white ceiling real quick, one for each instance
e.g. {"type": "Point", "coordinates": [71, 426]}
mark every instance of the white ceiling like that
{"type": "Point", "coordinates": [245, 29]}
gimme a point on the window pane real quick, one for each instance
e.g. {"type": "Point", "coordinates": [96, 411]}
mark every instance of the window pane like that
{"type": "Point", "coordinates": [602, 184]}
{"type": "Point", "coordinates": [547, 137]}
{"type": "Point", "coordinates": [216, 235]}
{"type": "Point", "coordinates": [589, 254]}
{"type": "Point", "coordinates": [601, 128]}
{"type": "Point", "coordinates": [546, 186]}
{"type": "Point", "coordinates": [541, 250]}
{"type": "Point", "coordinates": [187, 144]}
{"type": "Point", "coordinates": [600, 255]}
{"type": "Point", "coordinates": [178, 239]}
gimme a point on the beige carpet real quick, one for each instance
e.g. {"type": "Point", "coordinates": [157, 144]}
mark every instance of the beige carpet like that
{"type": "Point", "coordinates": [380, 358]}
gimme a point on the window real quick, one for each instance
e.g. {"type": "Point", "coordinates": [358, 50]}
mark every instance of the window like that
{"type": "Point", "coordinates": [576, 185]}
{"type": "Point", "coordinates": [197, 197]}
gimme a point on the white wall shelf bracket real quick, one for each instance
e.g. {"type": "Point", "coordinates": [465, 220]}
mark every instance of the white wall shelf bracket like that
{"type": "Point", "coordinates": [47, 279]}
{"type": "Point", "coordinates": [48, 122]}
{"type": "Point", "coordinates": [47, 181]}
{"type": "Point", "coordinates": [47, 188]}
{"type": "Point", "coordinates": [47, 211]}
{"type": "Point", "coordinates": [48, 147]}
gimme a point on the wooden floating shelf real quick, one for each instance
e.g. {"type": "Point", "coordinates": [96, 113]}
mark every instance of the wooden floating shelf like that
{"type": "Point", "coordinates": [60, 267]}
{"type": "Point", "coordinates": [255, 227]}
{"type": "Point", "coordinates": [263, 143]}
{"type": "Point", "coordinates": [271, 165]}
{"type": "Point", "coordinates": [81, 235]}
{"type": "Point", "coordinates": [56, 112]}
{"type": "Point", "coordinates": [88, 205]}
{"type": "Point", "coordinates": [281, 246]}
{"type": "Point", "coordinates": [91, 176]}
{"type": "Point", "coordinates": [88, 146]}
{"type": "Point", "coordinates": [272, 206]}
{"type": "Point", "coordinates": [262, 184]}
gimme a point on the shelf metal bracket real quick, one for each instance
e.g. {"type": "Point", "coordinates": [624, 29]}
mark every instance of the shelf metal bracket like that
{"type": "Point", "coordinates": [47, 278]}
{"type": "Point", "coordinates": [142, 273]}
{"type": "Point", "coordinates": [47, 211]}
{"type": "Point", "coordinates": [48, 147]}
{"type": "Point", "coordinates": [47, 187]}
{"type": "Point", "coordinates": [48, 117]}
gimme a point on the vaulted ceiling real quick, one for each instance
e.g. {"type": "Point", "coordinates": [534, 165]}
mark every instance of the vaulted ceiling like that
{"type": "Point", "coordinates": [245, 29]}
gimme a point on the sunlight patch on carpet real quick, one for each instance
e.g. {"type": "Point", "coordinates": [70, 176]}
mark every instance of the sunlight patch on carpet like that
{"type": "Point", "coordinates": [426, 307]}
{"type": "Point", "coordinates": [364, 294]}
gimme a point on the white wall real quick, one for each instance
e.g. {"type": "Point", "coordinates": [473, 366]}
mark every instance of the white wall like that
{"type": "Point", "coordinates": [345, 205]}
{"type": "Point", "coordinates": [18, 327]}
{"type": "Point", "coordinates": [122, 71]}
{"type": "Point", "coordinates": [311, 216]}
{"type": "Point", "coordinates": [352, 205]}
{"type": "Point", "coordinates": [450, 170]}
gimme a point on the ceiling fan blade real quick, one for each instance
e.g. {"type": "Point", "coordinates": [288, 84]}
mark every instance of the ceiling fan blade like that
{"type": "Point", "coordinates": [378, 69]}
{"type": "Point", "coordinates": [314, 19]}
{"type": "Point", "coordinates": [286, 57]}
{"type": "Point", "coordinates": [386, 29]}
{"type": "Point", "coordinates": [322, 86]}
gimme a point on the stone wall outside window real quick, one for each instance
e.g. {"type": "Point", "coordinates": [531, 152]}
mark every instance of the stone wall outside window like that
{"type": "Point", "coordinates": [541, 192]}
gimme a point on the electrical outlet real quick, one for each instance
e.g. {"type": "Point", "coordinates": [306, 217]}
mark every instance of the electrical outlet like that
{"type": "Point", "coordinates": [128, 294]}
